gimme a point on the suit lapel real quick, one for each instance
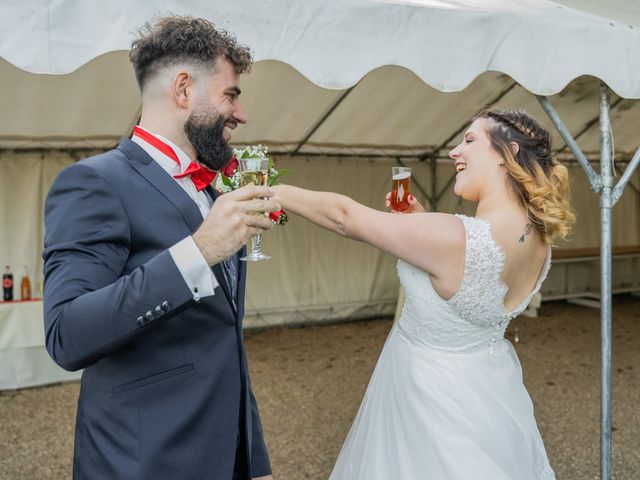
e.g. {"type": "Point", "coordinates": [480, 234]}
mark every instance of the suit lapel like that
{"type": "Point", "coordinates": [167, 186]}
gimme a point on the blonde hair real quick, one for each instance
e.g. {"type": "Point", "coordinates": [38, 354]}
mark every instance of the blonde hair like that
{"type": "Point", "coordinates": [540, 181]}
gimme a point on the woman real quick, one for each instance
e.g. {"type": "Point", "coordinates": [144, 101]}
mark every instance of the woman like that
{"type": "Point", "coordinates": [446, 399]}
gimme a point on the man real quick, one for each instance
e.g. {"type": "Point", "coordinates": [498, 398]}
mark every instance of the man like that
{"type": "Point", "coordinates": [143, 287]}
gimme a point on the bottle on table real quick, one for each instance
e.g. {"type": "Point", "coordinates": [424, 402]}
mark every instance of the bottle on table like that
{"type": "Point", "coordinates": [25, 285]}
{"type": "Point", "coordinates": [7, 284]}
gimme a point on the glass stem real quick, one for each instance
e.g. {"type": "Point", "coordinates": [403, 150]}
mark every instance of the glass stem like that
{"type": "Point", "coordinates": [256, 244]}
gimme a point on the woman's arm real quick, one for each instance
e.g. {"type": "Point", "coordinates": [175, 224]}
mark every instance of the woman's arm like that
{"type": "Point", "coordinates": [325, 209]}
{"type": "Point", "coordinates": [434, 242]}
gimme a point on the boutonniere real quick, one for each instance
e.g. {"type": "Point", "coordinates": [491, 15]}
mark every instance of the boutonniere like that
{"type": "Point", "coordinates": [229, 176]}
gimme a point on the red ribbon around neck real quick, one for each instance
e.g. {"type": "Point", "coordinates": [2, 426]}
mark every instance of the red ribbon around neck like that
{"type": "Point", "coordinates": [200, 176]}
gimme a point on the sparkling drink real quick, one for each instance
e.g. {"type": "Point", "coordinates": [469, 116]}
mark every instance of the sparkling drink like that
{"type": "Point", "coordinates": [400, 188]}
{"type": "Point", "coordinates": [254, 170]}
{"type": "Point", "coordinates": [255, 177]}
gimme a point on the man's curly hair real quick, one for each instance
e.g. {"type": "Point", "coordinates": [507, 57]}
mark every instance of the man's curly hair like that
{"type": "Point", "coordinates": [184, 39]}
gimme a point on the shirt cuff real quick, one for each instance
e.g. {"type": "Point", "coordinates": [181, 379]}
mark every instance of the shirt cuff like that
{"type": "Point", "coordinates": [194, 268]}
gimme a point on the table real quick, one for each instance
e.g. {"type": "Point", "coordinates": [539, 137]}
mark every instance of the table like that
{"type": "Point", "coordinates": [24, 361]}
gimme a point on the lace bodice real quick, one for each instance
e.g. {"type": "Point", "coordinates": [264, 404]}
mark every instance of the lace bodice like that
{"type": "Point", "coordinates": [475, 316]}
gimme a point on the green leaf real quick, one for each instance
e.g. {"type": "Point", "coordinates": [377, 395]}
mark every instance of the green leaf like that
{"type": "Point", "coordinates": [226, 180]}
{"type": "Point", "coordinates": [275, 179]}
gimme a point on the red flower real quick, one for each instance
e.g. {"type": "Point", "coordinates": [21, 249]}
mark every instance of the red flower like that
{"type": "Point", "coordinates": [230, 168]}
{"type": "Point", "coordinates": [279, 218]}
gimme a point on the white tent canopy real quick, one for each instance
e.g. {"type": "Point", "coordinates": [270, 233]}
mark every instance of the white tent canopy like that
{"type": "Point", "coordinates": [341, 79]}
{"type": "Point", "coordinates": [541, 44]}
{"type": "Point", "coordinates": [384, 63]}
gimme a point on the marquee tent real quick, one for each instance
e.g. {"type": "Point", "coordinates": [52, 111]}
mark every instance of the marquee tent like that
{"type": "Point", "coordinates": [345, 82]}
{"type": "Point", "coordinates": [341, 90]}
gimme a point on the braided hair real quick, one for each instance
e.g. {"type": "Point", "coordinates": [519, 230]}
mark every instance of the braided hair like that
{"type": "Point", "coordinates": [540, 181]}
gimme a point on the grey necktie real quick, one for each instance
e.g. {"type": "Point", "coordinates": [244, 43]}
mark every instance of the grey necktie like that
{"type": "Point", "coordinates": [230, 268]}
{"type": "Point", "coordinates": [230, 265]}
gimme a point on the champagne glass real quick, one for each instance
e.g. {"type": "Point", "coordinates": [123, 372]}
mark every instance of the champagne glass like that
{"type": "Point", "coordinates": [400, 188]}
{"type": "Point", "coordinates": [254, 170]}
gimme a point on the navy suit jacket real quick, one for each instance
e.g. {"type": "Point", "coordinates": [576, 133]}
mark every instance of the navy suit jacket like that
{"type": "Point", "coordinates": [165, 392]}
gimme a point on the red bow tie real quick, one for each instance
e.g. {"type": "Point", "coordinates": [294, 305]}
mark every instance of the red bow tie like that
{"type": "Point", "coordinates": [200, 176]}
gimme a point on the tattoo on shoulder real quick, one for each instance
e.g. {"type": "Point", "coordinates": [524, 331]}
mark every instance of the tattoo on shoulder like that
{"type": "Point", "coordinates": [527, 230]}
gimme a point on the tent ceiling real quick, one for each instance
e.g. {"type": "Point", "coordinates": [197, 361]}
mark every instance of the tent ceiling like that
{"type": "Point", "coordinates": [387, 63]}
{"type": "Point", "coordinates": [92, 107]}
{"type": "Point", "coordinates": [390, 111]}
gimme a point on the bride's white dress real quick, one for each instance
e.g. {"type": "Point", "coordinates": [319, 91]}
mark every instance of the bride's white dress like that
{"type": "Point", "coordinates": [446, 400]}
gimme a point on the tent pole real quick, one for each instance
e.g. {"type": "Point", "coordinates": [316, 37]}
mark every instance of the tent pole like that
{"type": "Point", "coordinates": [434, 184]}
{"type": "Point", "coordinates": [323, 119]}
{"type": "Point", "coordinates": [626, 176]}
{"type": "Point", "coordinates": [606, 173]}
{"type": "Point", "coordinates": [589, 124]}
{"type": "Point", "coordinates": [446, 187]}
{"type": "Point", "coordinates": [594, 179]}
{"type": "Point", "coordinates": [602, 184]}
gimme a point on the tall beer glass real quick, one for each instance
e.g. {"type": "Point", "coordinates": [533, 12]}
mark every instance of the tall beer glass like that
{"type": "Point", "coordinates": [254, 171]}
{"type": "Point", "coordinates": [400, 188]}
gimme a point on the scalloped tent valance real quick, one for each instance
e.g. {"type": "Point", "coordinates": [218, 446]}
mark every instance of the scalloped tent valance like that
{"type": "Point", "coordinates": [541, 44]}
{"type": "Point", "coordinates": [67, 81]}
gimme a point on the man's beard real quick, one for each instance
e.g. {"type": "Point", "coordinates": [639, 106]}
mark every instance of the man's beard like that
{"type": "Point", "coordinates": [204, 131]}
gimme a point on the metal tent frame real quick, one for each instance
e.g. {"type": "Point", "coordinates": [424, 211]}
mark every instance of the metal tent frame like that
{"type": "Point", "coordinates": [602, 184]}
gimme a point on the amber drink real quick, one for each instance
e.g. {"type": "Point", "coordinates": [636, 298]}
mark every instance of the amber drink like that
{"type": "Point", "coordinates": [400, 188]}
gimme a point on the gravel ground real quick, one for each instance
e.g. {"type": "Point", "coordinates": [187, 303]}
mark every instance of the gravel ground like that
{"type": "Point", "coordinates": [309, 382]}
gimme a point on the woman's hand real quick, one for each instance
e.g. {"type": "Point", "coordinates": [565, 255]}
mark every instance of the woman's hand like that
{"type": "Point", "coordinates": [414, 205]}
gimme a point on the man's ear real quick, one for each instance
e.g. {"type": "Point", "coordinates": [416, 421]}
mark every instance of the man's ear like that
{"type": "Point", "coordinates": [515, 148]}
{"type": "Point", "coordinates": [182, 89]}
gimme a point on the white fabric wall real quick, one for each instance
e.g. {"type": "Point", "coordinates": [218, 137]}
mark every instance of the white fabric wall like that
{"type": "Point", "coordinates": [24, 182]}
{"type": "Point", "coordinates": [314, 275]}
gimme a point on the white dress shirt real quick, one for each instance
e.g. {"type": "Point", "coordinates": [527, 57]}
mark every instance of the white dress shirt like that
{"type": "Point", "coordinates": [187, 256]}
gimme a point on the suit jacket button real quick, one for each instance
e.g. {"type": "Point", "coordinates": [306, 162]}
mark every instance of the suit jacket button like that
{"type": "Point", "coordinates": [140, 321]}
{"type": "Point", "coordinates": [159, 311]}
{"type": "Point", "coordinates": [149, 316]}
{"type": "Point", "coordinates": [165, 306]}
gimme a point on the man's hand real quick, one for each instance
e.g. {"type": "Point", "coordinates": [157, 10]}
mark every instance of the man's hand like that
{"type": "Point", "coordinates": [414, 206]}
{"type": "Point", "coordinates": [232, 221]}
